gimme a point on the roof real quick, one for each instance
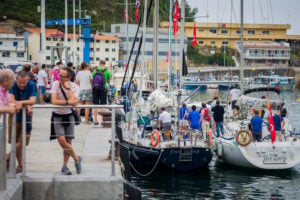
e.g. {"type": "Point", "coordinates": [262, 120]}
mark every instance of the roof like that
{"type": "Point", "coordinates": [58, 33]}
{"type": "Point", "coordinates": [5, 31]}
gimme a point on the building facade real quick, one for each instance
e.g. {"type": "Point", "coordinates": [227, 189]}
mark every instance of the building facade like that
{"type": "Point", "coordinates": [227, 34]}
{"type": "Point", "coordinates": [12, 46]}
{"type": "Point", "coordinates": [102, 47]}
{"type": "Point", "coordinates": [120, 31]}
{"type": "Point", "coordinates": [266, 54]}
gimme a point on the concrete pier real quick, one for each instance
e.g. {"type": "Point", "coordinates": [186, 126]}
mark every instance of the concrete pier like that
{"type": "Point", "coordinates": [43, 179]}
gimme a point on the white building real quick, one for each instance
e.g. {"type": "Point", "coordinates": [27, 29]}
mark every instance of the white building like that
{"type": "Point", "coordinates": [12, 47]}
{"type": "Point", "coordinates": [101, 47]}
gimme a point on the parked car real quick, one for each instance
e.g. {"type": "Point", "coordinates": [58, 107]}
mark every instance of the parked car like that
{"type": "Point", "coordinates": [15, 65]}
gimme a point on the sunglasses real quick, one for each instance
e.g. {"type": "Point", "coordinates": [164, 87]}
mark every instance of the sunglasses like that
{"type": "Point", "coordinates": [61, 76]}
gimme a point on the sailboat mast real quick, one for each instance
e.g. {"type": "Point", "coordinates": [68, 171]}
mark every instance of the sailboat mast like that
{"type": "Point", "coordinates": [127, 38]}
{"type": "Point", "coordinates": [242, 48]}
{"type": "Point", "coordinates": [170, 42]}
{"type": "Point", "coordinates": [43, 41]}
{"type": "Point", "coordinates": [155, 42]}
{"type": "Point", "coordinates": [181, 41]}
{"type": "Point", "coordinates": [143, 49]}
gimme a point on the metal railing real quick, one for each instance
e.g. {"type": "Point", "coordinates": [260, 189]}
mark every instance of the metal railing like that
{"type": "Point", "coordinates": [12, 169]}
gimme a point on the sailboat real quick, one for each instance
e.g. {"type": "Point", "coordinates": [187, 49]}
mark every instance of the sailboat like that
{"type": "Point", "coordinates": [236, 146]}
{"type": "Point", "coordinates": [144, 150]}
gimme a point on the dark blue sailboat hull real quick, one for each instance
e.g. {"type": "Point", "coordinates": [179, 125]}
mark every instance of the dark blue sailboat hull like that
{"type": "Point", "coordinates": [144, 159]}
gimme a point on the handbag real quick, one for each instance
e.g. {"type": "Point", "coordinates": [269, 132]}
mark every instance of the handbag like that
{"type": "Point", "coordinates": [74, 112]}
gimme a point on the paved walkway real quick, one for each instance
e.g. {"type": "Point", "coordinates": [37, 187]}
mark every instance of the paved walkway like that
{"type": "Point", "coordinates": [44, 158]}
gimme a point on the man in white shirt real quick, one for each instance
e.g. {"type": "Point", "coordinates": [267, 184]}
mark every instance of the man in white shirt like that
{"type": "Point", "coordinates": [42, 83]}
{"type": "Point", "coordinates": [165, 118]}
{"type": "Point", "coordinates": [235, 93]}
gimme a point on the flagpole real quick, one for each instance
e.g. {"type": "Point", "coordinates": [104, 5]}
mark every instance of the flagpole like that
{"type": "Point", "coordinates": [170, 43]}
{"type": "Point", "coordinates": [127, 37]}
{"type": "Point", "coordinates": [143, 49]}
{"type": "Point", "coordinates": [181, 41]}
{"type": "Point", "coordinates": [155, 42]}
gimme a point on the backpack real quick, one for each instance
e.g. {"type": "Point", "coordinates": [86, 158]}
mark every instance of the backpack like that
{"type": "Point", "coordinates": [99, 80]}
{"type": "Point", "coordinates": [206, 115]}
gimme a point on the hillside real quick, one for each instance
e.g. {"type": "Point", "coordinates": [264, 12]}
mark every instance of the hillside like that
{"type": "Point", "coordinates": [103, 12]}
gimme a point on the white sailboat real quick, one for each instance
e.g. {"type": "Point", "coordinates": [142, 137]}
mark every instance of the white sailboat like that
{"type": "Point", "coordinates": [236, 146]}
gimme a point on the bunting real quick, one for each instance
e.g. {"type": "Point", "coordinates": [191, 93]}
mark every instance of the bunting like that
{"type": "Point", "coordinates": [194, 36]}
{"type": "Point", "coordinates": [271, 126]}
{"type": "Point", "coordinates": [137, 5]}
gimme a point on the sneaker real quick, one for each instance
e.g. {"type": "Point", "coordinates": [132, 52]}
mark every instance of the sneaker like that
{"type": "Point", "coordinates": [66, 171]}
{"type": "Point", "coordinates": [96, 123]}
{"type": "Point", "coordinates": [78, 165]}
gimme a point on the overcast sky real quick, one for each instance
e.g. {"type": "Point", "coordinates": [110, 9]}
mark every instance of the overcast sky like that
{"type": "Point", "coordinates": [263, 11]}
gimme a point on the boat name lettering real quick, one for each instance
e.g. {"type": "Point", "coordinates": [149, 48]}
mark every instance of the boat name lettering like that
{"type": "Point", "coordinates": [274, 158]}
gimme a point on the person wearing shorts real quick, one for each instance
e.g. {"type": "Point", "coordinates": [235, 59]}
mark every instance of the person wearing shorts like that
{"type": "Point", "coordinates": [42, 83]}
{"type": "Point", "coordinates": [23, 92]}
{"type": "Point", "coordinates": [63, 118]}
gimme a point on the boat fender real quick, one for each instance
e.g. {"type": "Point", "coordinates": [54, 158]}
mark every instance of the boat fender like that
{"type": "Point", "coordinates": [220, 149]}
{"type": "Point", "coordinates": [210, 142]}
{"type": "Point", "coordinates": [154, 138]}
{"type": "Point", "coordinates": [243, 137]}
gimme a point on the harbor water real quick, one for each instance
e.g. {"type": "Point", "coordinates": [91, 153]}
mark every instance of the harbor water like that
{"type": "Point", "coordinates": [220, 181]}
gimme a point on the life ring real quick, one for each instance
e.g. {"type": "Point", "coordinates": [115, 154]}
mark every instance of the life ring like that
{"type": "Point", "coordinates": [210, 137]}
{"type": "Point", "coordinates": [243, 137]}
{"type": "Point", "coordinates": [154, 142]}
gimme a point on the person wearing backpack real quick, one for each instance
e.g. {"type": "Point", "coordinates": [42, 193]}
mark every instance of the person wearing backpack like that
{"type": "Point", "coordinates": [100, 81]}
{"type": "Point", "coordinates": [204, 120]}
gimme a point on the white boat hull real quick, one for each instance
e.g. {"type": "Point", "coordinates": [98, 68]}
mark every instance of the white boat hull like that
{"type": "Point", "coordinates": [262, 155]}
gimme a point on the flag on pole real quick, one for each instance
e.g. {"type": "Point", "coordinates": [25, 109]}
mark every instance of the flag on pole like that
{"type": "Point", "coordinates": [137, 5]}
{"type": "Point", "coordinates": [194, 36]}
{"type": "Point", "coordinates": [176, 18]}
{"type": "Point", "coordinates": [168, 57]}
{"type": "Point", "coordinates": [125, 14]}
{"type": "Point", "coordinates": [271, 126]}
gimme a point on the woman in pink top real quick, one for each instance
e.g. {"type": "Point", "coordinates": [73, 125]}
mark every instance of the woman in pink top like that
{"type": "Point", "coordinates": [204, 119]}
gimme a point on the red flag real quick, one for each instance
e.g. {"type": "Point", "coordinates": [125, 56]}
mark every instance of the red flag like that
{"type": "Point", "coordinates": [271, 126]}
{"type": "Point", "coordinates": [168, 57]}
{"type": "Point", "coordinates": [176, 17]}
{"type": "Point", "coordinates": [137, 5]}
{"type": "Point", "coordinates": [125, 14]}
{"type": "Point", "coordinates": [194, 36]}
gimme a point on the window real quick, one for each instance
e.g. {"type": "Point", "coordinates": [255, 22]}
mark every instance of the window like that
{"type": "Point", "coordinates": [106, 49]}
{"type": "Point", "coordinates": [117, 29]}
{"type": "Point", "coordinates": [69, 48]}
{"type": "Point", "coordinates": [113, 59]}
{"type": "Point", "coordinates": [15, 44]}
{"type": "Point", "coordinates": [213, 42]}
{"type": "Point", "coordinates": [149, 39]}
{"type": "Point", "coordinates": [48, 47]}
{"type": "Point", "coordinates": [200, 42]}
{"type": "Point", "coordinates": [225, 43]}
{"type": "Point", "coordinates": [106, 41]}
{"type": "Point", "coordinates": [20, 55]}
{"type": "Point", "coordinates": [265, 32]}
{"type": "Point", "coordinates": [91, 49]}
{"type": "Point", "coordinates": [113, 41]}
{"type": "Point", "coordinates": [54, 39]}
{"type": "Point", "coordinates": [213, 30]}
{"type": "Point", "coordinates": [97, 41]}
{"type": "Point", "coordinates": [1, 43]}
{"type": "Point", "coordinates": [47, 57]}
{"type": "Point", "coordinates": [48, 39]}
{"type": "Point", "coordinates": [113, 50]}
{"type": "Point", "coordinates": [224, 31]}
{"type": "Point", "coordinates": [97, 59]}
{"type": "Point", "coordinates": [77, 40]}
{"type": "Point", "coordinates": [251, 32]}
{"type": "Point", "coordinates": [97, 49]}
{"type": "Point", "coordinates": [78, 48]}
{"type": "Point", "coordinates": [69, 40]}
{"type": "Point", "coordinates": [62, 39]}
{"type": "Point", "coordinates": [201, 30]}
{"type": "Point", "coordinates": [106, 59]}
{"type": "Point", "coordinates": [91, 58]}
{"type": "Point", "coordinates": [6, 54]}
{"type": "Point", "coordinates": [238, 32]}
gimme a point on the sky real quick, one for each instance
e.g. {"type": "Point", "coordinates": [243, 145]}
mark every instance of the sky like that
{"type": "Point", "coordinates": [263, 11]}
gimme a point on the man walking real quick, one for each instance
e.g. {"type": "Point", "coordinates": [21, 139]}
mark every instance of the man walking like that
{"type": "Point", "coordinates": [42, 83]}
{"type": "Point", "coordinates": [23, 92]}
{"type": "Point", "coordinates": [101, 79]}
{"type": "Point", "coordinates": [218, 117]}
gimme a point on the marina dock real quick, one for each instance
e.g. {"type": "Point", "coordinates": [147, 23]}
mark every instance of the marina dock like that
{"type": "Point", "coordinates": [42, 178]}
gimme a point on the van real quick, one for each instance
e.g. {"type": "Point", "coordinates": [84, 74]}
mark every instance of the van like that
{"type": "Point", "coordinates": [14, 65]}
